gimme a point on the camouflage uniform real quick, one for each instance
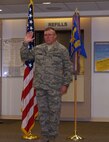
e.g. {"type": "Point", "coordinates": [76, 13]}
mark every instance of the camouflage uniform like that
{"type": "Point", "coordinates": [53, 69]}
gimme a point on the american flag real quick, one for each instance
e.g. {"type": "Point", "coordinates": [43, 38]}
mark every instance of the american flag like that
{"type": "Point", "coordinates": [28, 98]}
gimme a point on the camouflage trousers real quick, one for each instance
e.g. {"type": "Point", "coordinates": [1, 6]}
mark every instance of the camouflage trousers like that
{"type": "Point", "coordinates": [49, 105]}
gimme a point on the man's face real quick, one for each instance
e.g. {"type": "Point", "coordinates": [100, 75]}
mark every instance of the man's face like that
{"type": "Point", "coordinates": [50, 36]}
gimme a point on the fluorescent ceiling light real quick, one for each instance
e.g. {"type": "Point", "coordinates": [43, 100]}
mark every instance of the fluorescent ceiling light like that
{"type": "Point", "coordinates": [0, 9]}
{"type": "Point", "coordinates": [46, 3]}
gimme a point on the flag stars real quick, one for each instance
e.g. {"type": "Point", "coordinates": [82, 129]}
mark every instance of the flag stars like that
{"type": "Point", "coordinates": [31, 28]}
{"type": "Point", "coordinates": [31, 21]}
{"type": "Point", "coordinates": [30, 9]}
{"type": "Point", "coordinates": [30, 65]}
{"type": "Point", "coordinates": [30, 15]}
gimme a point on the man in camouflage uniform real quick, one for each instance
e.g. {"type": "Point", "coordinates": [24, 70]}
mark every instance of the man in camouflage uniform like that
{"type": "Point", "coordinates": [52, 76]}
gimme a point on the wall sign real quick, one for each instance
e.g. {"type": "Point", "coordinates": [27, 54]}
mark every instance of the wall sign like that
{"type": "Point", "coordinates": [57, 24]}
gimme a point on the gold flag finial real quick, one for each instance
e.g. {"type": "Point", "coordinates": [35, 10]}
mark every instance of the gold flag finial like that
{"type": "Point", "coordinates": [76, 11]}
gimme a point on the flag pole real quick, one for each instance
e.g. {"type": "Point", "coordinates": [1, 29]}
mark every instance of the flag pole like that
{"type": "Point", "coordinates": [76, 18]}
{"type": "Point", "coordinates": [75, 137]}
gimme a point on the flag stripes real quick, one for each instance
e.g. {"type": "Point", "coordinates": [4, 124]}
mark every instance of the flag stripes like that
{"type": "Point", "coordinates": [29, 104]}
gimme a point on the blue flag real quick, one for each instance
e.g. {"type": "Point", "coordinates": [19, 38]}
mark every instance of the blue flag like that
{"type": "Point", "coordinates": [75, 41]}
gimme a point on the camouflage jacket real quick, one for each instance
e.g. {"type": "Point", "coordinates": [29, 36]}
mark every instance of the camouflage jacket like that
{"type": "Point", "coordinates": [52, 67]}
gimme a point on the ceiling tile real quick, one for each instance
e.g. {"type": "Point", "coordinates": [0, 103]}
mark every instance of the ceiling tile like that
{"type": "Point", "coordinates": [54, 7]}
{"type": "Point", "coordinates": [103, 5]}
{"type": "Point", "coordinates": [14, 9]}
{"type": "Point", "coordinates": [82, 6]}
{"type": "Point", "coordinates": [21, 6]}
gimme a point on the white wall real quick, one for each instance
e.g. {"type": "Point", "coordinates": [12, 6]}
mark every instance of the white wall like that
{"type": "Point", "coordinates": [100, 81]}
{"type": "Point", "coordinates": [12, 86]}
{"type": "Point", "coordinates": [14, 28]}
{"type": "Point", "coordinates": [11, 97]}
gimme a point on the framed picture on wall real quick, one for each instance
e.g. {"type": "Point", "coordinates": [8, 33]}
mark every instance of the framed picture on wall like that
{"type": "Point", "coordinates": [101, 56]}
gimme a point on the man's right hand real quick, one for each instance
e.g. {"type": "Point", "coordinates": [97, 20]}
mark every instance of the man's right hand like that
{"type": "Point", "coordinates": [29, 37]}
